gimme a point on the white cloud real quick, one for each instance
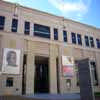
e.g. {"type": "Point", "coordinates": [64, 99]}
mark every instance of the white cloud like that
{"type": "Point", "coordinates": [72, 8]}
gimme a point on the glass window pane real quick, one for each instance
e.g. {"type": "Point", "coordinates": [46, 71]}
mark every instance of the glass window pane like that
{"type": "Point", "coordinates": [94, 73]}
{"type": "Point", "coordinates": [87, 41]}
{"type": "Point", "coordinates": [27, 28]}
{"type": "Point", "coordinates": [9, 82]}
{"type": "Point", "coordinates": [79, 39]}
{"type": "Point", "coordinates": [73, 38]}
{"type": "Point", "coordinates": [91, 42]}
{"type": "Point", "coordinates": [98, 43]}
{"type": "Point", "coordinates": [14, 25]}
{"type": "Point", "coordinates": [41, 31]}
{"type": "Point", "coordinates": [2, 22]}
{"type": "Point", "coordinates": [55, 34]}
{"type": "Point", "coordinates": [65, 36]}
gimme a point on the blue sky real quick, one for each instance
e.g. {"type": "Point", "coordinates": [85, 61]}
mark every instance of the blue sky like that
{"type": "Point", "coordinates": [84, 11]}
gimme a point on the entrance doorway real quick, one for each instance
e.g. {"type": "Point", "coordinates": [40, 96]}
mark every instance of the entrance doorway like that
{"type": "Point", "coordinates": [24, 75]}
{"type": "Point", "coordinates": [41, 82]}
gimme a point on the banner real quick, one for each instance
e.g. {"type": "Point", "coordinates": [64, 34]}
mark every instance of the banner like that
{"type": "Point", "coordinates": [11, 61]}
{"type": "Point", "coordinates": [67, 66]}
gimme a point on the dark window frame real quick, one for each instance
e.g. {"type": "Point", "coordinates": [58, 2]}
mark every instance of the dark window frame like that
{"type": "Point", "coordinates": [79, 39]}
{"type": "Point", "coordinates": [26, 28]}
{"type": "Point", "coordinates": [9, 82]}
{"type": "Point", "coordinates": [55, 34]}
{"type": "Point", "coordinates": [86, 41]}
{"type": "Point", "coordinates": [65, 36]}
{"type": "Point", "coordinates": [92, 42]}
{"type": "Point", "coordinates": [2, 22]}
{"type": "Point", "coordinates": [41, 31]}
{"type": "Point", "coordinates": [98, 43]}
{"type": "Point", "coordinates": [14, 25]}
{"type": "Point", "coordinates": [93, 67]}
{"type": "Point", "coordinates": [73, 36]}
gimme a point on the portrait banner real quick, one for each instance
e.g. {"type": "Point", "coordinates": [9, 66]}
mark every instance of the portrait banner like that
{"type": "Point", "coordinates": [11, 61]}
{"type": "Point", "coordinates": [67, 66]}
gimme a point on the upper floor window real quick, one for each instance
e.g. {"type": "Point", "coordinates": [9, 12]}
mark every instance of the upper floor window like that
{"type": "Point", "coordinates": [87, 41]}
{"type": "Point", "coordinates": [27, 28]}
{"type": "Point", "coordinates": [55, 34]}
{"type": "Point", "coordinates": [41, 31]}
{"type": "Point", "coordinates": [91, 41]}
{"type": "Point", "coordinates": [2, 22]}
{"type": "Point", "coordinates": [73, 37]}
{"type": "Point", "coordinates": [9, 82]}
{"type": "Point", "coordinates": [14, 25]}
{"type": "Point", "coordinates": [79, 39]}
{"type": "Point", "coordinates": [65, 36]}
{"type": "Point", "coordinates": [98, 43]}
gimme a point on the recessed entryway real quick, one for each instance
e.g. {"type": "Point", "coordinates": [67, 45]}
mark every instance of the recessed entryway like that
{"type": "Point", "coordinates": [41, 82]}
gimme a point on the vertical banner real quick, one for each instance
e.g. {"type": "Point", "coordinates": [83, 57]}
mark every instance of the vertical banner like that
{"type": "Point", "coordinates": [67, 66]}
{"type": "Point", "coordinates": [11, 61]}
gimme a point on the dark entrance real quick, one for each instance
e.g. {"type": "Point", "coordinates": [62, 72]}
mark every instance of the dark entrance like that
{"type": "Point", "coordinates": [41, 75]}
{"type": "Point", "coordinates": [24, 74]}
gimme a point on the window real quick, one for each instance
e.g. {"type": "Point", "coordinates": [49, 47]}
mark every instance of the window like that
{"type": "Point", "coordinates": [27, 28]}
{"type": "Point", "coordinates": [41, 31]}
{"type": "Point", "coordinates": [73, 38]}
{"type": "Point", "coordinates": [65, 36]}
{"type": "Point", "coordinates": [14, 25]}
{"type": "Point", "coordinates": [55, 34]}
{"type": "Point", "coordinates": [98, 43]}
{"type": "Point", "coordinates": [68, 84]}
{"type": "Point", "coordinates": [9, 82]}
{"type": "Point", "coordinates": [2, 22]}
{"type": "Point", "coordinates": [93, 72]}
{"type": "Point", "coordinates": [87, 41]}
{"type": "Point", "coordinates": [79, 39]}
{"type": "Point", "coordinates": [91, 42]}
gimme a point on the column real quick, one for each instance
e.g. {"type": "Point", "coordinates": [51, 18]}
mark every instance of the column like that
{"type": "Point", "coordinates": [30, 70]}
{"type": "Point", "coordinates": [52, 68]}
{"type": "Point", "coordinates": [31, 29]}
{"type": "Point", "coordinates": [51, 33]}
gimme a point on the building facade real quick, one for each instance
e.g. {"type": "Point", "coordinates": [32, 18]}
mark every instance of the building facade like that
{"type": "Point", "coordinates": [43, 39]}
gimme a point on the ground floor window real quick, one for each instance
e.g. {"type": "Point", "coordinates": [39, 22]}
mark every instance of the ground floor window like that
{"type": "Point", "coordinates": [94, 72]}
{"type": "Point", "coordinates": [9, 82]}
{"type": "Point", "coordinates": [68, 83]}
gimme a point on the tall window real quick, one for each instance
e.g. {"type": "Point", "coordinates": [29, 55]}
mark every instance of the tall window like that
{"type": "Point", "coordinates": [14, 25]}
{"type": "Point", "coordinates": [55, 34]}
{"type": "Point", "coordinates": [87, 41]}
{"type": "Point", "coordinates": [27, 28]}
{"type": "Point", "coordinates": [91, 41]}
{"type": "Point", "coordinates": [9, 82]}
{"type": "Point", "coordinates": [94, 73]}
{"type": "Point", "coordinates": [98, 43]}
{"type": "Point", "coordinates": [79, 39]}
{"type": "Point", "coordinates": [65, 36]}
{"type": "Point", "coordinates": [2, 22]}
{"type": "Point", "coordinates": [41, 31]}
{"type": "Point", "coordinates": [73, 38]}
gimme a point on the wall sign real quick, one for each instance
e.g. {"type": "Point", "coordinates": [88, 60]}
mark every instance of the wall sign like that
{"type": "Point", "coordinates": [11, 61]}
{"type": "Point", "coordinates": [67, 66]}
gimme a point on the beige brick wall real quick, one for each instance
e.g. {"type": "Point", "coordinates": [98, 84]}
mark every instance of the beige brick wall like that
{"type": "Point", "coordinates": [36, 46]}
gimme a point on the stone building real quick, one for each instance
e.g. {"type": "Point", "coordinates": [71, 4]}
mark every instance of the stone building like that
{"type": "Point", "coordinates": [42, 39]}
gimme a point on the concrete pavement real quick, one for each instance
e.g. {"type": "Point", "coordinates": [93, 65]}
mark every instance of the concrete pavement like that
{"type": "Point", "coordinates": [43, 97]}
